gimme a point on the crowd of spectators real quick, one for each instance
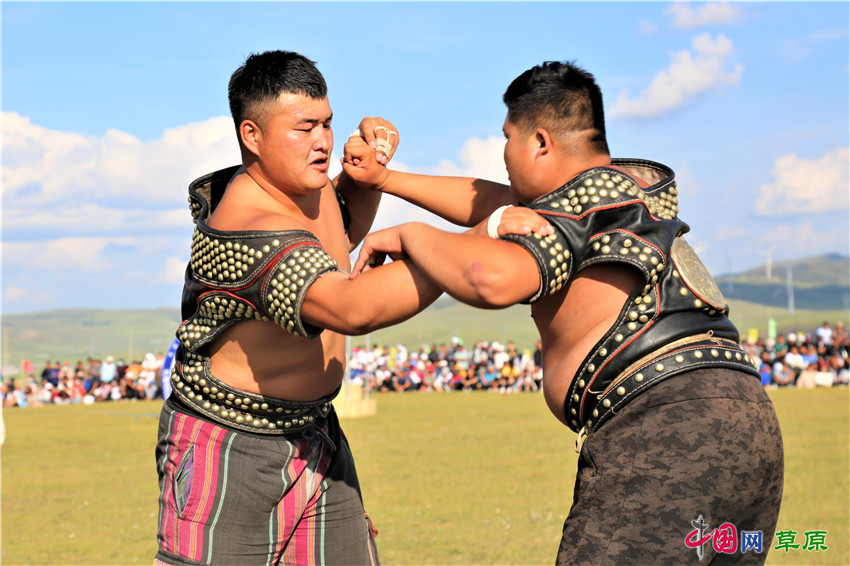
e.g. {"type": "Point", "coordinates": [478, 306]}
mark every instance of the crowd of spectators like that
{"type": "Point", "coordinates": [492, 366]}
{"type": "Point", "coordinates": [804, 360]}
{"type": "Point", "coordinates": [61, 383]}
{"type": "Point", "coordinates": [797, 359]}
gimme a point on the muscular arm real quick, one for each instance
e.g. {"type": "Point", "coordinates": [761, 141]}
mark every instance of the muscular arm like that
{"type": "Point", "coordinates": [362, 205]}
{"type": "Point", "coordinates": [477, 270]}
{"type": "Point", "coordinates": [381, 297]}
{"type": "Point", "coordinates": [460, 200]}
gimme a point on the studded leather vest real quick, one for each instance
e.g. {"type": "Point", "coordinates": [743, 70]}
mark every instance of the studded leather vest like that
{"type": "Point", "coordinates": [674, 322]}
{"type": "Point", "coordinates": [233, 277]}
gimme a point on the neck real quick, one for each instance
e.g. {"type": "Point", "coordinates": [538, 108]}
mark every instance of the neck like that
{"type": "Point", "coordinates": [307, 204]}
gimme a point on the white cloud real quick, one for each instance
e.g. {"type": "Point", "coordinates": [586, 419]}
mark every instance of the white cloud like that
{"type": "Point", "coordinates": [686, 16]}
{"type": "Point", "coordinates": [735, 232]}
{"type": "Point", "coordinates": [797, 239]}
{"type": "Point", "coordinates": [688, 184]}
{"type": "Point", "coordinates": [14, 295]}
{"type": "Point", "coordinates": [795, 49]}
{"type": "Point", "coordinates": [647, 28]}
{"type": "Point", "coordinates": [689, 75]}
{"type": "Point", "coordinates": [92, 219]}
{"type": "Point", "coordinates": [803, 186]}
{"type": "Point", "coordinates": [46, 168]}
{"type": "Point", "coordinates": [172, 272]}
{"type": "Point", "coordinates": [483, 159]}
{"type": "Point", "coordinates": [56, 257]}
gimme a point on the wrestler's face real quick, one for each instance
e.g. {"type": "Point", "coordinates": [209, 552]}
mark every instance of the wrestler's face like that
{"type": "Point", "coordinates": [295, 144]}
{"type": "Point", "coordinates": [519, 161]}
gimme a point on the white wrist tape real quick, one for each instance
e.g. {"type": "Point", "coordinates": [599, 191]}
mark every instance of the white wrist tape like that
{"type": "Point", "coordinates": [494, 221]}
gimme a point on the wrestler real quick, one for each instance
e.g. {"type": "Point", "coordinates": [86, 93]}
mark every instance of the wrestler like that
{"type": "Point", "coordinates": [253, 467]}
{"type": "Point", "coordinates": [639, 355]}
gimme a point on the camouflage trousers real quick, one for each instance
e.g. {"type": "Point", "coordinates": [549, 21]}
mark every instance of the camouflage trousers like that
{"type": "Point", "coordinates": [696, 455]}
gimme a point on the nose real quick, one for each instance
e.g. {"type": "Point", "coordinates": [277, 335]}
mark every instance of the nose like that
{"type": "Point", "coordinates": [324, 140]}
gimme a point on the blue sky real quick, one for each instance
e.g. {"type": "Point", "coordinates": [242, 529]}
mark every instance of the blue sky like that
{"type": "Point", "coordinates": [109, 110]}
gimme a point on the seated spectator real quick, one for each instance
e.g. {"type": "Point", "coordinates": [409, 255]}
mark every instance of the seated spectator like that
{"type": "Point", "coordinates": [783, 376]}
{"type": "Point", "coordinates": [825, 376]}
{"type": "Point", "coordinates": [12, 395]}
{"type": "Point", "coordinates": [806, 379]}
{"type": "Point", "coordinates": [108, 370]}
{"type": "Point", "coordinates": [794, 360]}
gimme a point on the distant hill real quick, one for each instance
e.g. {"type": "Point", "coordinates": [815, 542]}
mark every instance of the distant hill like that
{"type": "Point", "coordinates": [821, 288]}
{"type": "Point", "coordinates": [819, 282]}
{"type": "Point", "coordinates": [815, 271]}
{"type": "Point", "coordinates": [76, 334]}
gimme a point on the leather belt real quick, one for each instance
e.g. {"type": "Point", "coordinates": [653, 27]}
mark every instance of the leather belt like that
{"type": "Point", "coordinates": [243, 410]}
{"type": "Point", "coordinates": [680, 356]}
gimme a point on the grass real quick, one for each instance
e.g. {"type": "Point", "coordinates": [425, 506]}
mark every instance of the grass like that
{"type": "Point", "coordinates": [448, 479]}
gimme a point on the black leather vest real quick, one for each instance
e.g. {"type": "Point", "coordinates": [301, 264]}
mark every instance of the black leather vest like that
{"type": "Point", "coordinates": [238, 276]}
{"type": "Point", "coordinates": [674, 322]}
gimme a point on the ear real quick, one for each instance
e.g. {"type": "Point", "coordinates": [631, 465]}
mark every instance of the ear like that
{"type": "Point", "coordinates": [251, 136]}
{"type": "Point", "coordinates": [542, 143]}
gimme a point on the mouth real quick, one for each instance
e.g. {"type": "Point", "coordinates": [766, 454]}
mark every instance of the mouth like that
{"type": "Point", "coordinates": [320, 163]}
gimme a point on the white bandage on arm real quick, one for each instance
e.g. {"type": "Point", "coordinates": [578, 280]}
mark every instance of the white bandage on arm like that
{"type": "Point", "coordinates": [494, 221]}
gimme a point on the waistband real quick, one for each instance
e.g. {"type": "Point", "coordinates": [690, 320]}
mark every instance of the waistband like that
{"type": "Point", "coordinates": [696, 352]}
{"type": "Point", "coordinates": [243, 410]}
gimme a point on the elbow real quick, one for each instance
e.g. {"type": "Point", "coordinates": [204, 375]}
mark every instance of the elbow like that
{"type": "Point", "coordinates": [358, 323]}
{"type": "Point", "coordinates": [490, 288]}
{"type": "Point", "coordinates": [350, 321]}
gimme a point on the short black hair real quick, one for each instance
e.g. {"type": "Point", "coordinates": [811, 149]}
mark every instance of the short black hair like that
{"type": "Point", "coordinates": [559, 96]}
{"type": "Point", "coordinates": [265, 76]}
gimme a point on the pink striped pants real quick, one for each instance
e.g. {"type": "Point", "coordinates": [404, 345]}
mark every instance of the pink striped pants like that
{"type": "Point", "coordinates": [229, 497]}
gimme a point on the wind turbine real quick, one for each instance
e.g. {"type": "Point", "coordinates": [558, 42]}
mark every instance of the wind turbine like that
{"type": "Point", "coordinates": [768, 262]}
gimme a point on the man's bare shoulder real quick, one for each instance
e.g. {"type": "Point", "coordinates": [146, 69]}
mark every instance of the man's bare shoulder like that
{"type": "Point", "coordinates": [246, 207]}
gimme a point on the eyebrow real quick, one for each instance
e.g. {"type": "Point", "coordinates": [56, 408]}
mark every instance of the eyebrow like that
{"type": "Point", "coordinates": [314, 121]}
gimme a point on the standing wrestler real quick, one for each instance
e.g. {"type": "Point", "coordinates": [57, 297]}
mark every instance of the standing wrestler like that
{"type": "Point", "coordinates": [253, 467]}
{"type": "Point", "coordinates": [676, 435]}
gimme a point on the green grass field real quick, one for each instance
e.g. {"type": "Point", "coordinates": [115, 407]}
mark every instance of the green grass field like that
{"type": "Point", "coordinates": [448, 479]}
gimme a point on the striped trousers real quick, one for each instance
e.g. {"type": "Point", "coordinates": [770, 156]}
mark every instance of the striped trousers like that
{"type": "Point", "coordinates": [231, 497]}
